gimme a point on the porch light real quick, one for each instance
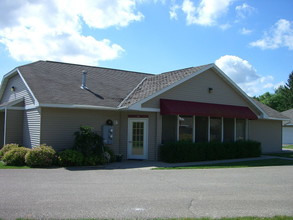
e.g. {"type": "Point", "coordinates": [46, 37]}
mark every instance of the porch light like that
{"type": "Point", "coordinates": [12, 89]}
{"type": "Point", "coordinates": [211, 90]}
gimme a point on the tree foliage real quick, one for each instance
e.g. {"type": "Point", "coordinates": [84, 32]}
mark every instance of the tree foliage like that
{"type": "Point", "coordinates": [282, 99]}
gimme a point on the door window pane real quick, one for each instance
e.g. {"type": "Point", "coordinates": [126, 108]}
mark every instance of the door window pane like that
{"type": "Point", "coordinates": [201, 129]}
{"type": "Point", "coordinates": [216, 129]}
{"type": "Point", "coordinates": [240, 129]}
{"type": "Point", "coordinates": [228, 129]}
{"type": "Point", "coordinates": [185, 128]}
{"type": "Point", "coordinates": [137, 138]}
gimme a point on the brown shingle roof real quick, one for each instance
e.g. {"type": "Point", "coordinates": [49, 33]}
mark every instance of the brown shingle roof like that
{"type": "Point", "coordinates": [59, 83]}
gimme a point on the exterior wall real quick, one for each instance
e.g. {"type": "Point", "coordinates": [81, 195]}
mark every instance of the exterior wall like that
{"type": "Point", "coordinates": [31, 128]}
{"type": "Point", "coordinates": [58, 125]}
{"type": "Point", "coordinates": [288, 135]}
{"type": "Point", "coordinates": [196, 90]}
{"type": "Point", "coordinates": [14, 127]}
{"type": "Point", "coordinates": [20, 91]}
{"type": "Point", "coordinates": [153, 131]}
{"type": "Point", "coordinates": [268, 132]}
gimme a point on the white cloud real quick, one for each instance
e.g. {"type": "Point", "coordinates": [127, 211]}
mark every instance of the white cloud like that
{"type": "Point", "coordinates": [245, 75]}
{"type": "Point", "coordinates": [244, 10]}
{"type": "Point", "coordinates": [51, 30]}
{"type": "Point", "coordinates": [206, 13]}
{"type": "Point", "coordinates": [245, 31]}
{"type": "Point", "coordinates": [280, 35]}
{"type": "Point", "coordinates": [173, 11]}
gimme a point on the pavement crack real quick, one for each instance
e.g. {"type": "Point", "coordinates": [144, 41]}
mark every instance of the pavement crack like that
{"type": "Point", "coordinates": [190, 206]}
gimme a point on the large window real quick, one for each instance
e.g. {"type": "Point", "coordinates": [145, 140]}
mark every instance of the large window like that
{"type": "Point", "coordinates": [240, 129]}
{"type": "Point", "coordinates": [185, 128]}
{"type": "Point", "coordinates": [169, 128]}
{"type": "Point", "coordinates": [216, 129]}
{"type": "Point", "coordinates": [201, 129]}
{"type": "Point", "coordinates": [228, 129]}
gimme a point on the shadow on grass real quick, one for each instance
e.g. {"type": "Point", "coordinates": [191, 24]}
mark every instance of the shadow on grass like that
{"type": "Point", "coordinates": [242, 164]}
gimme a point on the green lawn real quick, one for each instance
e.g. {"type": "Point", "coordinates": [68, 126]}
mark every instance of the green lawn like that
{"type": "Point", "coordinates": [2, 166]}
{"type": "Point", "coordinates": [243, 164]}
{"type": "Point", "coordinates": [287, 154]}
{"type": "Point", "coordinates": [288, 147]}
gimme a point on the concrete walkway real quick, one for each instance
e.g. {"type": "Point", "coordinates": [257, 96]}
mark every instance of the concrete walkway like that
{"type": "Point", "coordinates": [147, 164]}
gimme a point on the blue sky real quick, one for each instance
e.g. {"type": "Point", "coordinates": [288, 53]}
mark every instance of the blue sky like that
{"type": "Point", "coordinates": [251, 41]}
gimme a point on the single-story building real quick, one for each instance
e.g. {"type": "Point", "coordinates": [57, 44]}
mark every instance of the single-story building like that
{"type": "Point", "coordinates": [46, 102]}
{"type": "Point", "coordinates": [288, 128]}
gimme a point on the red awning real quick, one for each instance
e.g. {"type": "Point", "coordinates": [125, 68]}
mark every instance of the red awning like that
{"type": "Point", "coordinates": [175, 107]}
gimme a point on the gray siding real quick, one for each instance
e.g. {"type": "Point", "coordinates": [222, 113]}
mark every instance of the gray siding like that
{"type": "Point", "coordinates": [59, 125]}
{"type": "Point", "coordinates": [31, 128]}
{"type": "Point", "coordinates": [21, 91]}
{"type": "Point", "coordinates": [14, 127]}
{"type": "Point", "coordinates": [197, 90]}
{"type": "Point", "coordinates": [2, 115]}
{"type": "Point", "coordinates": [153, 131]}
{"type": "Point", "coordinates": [268, 132]}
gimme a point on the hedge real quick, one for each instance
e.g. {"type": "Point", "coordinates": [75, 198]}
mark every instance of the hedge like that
{"type": "Point", "coordinates": [181, 151]}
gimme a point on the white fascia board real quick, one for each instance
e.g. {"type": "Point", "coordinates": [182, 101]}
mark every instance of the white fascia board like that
{"type": "Point", "coordinates": [78, 106]}
{"type": "Point", "coordinates": [137, 105]}
{"type": "Point", "coordinates": [5, 80]}
{"type": "Point", "coordinates": [237, 88]}
{"type": "Point", "coordinates": [28, 88]}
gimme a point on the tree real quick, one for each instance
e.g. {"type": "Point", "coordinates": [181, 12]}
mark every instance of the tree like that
{"type": "Point", "coordinates": [282, 99]}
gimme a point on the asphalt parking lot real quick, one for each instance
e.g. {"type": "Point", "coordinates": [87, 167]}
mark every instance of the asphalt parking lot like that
{"type": "Point", "coordinates": [143, 193]}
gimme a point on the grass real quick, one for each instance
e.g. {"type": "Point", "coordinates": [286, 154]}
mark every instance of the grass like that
{"type": "Point", "coordinates": [285, 154]}
{"type": "Point", "coordinates": [242, 164]}
{"type": "Point", "coordinates": [3, 166]}
{"type": "Point", "coordinates": [288, 147]}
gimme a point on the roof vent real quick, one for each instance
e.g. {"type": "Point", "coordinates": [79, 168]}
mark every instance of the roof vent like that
{"type": "Point", "coordinates": [83, 83]}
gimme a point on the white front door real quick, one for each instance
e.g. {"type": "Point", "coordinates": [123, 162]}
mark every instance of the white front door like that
{"type": "Point", "coordinates": [137, 138]}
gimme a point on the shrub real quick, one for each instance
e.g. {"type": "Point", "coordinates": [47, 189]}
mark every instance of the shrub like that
{"type": "Point", "coordinates": [94, 160]}
{"type": "Point", "coordinates": [189, 152]}
{"type": "Point", "coordinates": [111, 153]}
{"type": "Point", "coordinates": [70, 157]}
{"type": "Point", "coordinates": [41, 156]}
{"type": "Point", "coordinates": [16, 156]}
{"type": "Point", "coordinates": [88, 142]}
{"type": "Point", "coordinates": [7, 148]}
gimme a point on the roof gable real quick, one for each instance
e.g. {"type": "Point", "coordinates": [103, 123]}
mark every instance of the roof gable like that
{"type": "Point", "coordinates": [157, 84]}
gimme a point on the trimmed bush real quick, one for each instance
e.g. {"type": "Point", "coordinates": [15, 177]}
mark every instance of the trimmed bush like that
{"type": "Point", "coordinates": [41, 156]}
{"type": "Point", "coordinates": [7, 148]}
{"type": "Point", "coordinates": [16, 156]}
{"type": "Point", "coordinates": [70, 157]}
{"type": "Point", "coordinates": [190, 152]}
